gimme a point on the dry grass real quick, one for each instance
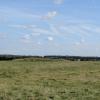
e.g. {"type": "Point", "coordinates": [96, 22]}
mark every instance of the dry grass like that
{"type": "Point", "coordinates": [49, 80]}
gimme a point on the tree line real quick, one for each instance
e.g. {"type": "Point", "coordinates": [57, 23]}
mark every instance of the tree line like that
{"type": "Point", "coordinates": [71, 58]}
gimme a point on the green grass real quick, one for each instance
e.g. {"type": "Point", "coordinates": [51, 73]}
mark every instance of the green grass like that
{"type": "Point", "coordinates": [49, 80]}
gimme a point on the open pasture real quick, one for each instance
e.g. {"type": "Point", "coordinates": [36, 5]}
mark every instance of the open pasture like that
{"type": "Point", "coordinates": [49, 80]}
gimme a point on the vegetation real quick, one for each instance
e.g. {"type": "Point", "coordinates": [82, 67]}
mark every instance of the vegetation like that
{"type": "Point", "coordinates": [49, 80]}
{"type": "Point", "coordinates": [71, 58]}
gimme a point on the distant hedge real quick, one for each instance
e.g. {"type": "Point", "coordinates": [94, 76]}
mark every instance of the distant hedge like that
{"type": "Point", "coordinates": [71, 58]}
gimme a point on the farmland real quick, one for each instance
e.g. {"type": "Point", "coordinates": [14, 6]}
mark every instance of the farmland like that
{"type": "Point", "coordinates": [49, 80]}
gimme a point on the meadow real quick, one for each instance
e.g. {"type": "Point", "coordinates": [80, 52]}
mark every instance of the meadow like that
{"type": "Point", "coordinates": [49, 80]}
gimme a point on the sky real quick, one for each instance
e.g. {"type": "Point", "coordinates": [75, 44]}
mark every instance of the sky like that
{"type": "Point", "coordinates": [50, 27]}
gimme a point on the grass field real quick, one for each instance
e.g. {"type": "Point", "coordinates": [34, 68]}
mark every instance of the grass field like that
{"type": "Point", "coordinates": [49, 80]}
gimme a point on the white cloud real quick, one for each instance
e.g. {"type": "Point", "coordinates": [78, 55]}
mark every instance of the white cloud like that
{"type": "Point", "coordinates": [3, 35]}
{"type": "Point", "coordinates": [39, 43]}
{"type": "Point", "coordinates": [81, 30]}
{"type": "Point", "coordinates": [82, 40]}
{"type": "Point", "coordinates": [23, 26]}
{"type": "Point", "coordinates": [49, 15]}
{"type": "Point", "coordinates": [55, 30]}
{"type": "Point", "coordinates": [58, 1]}
{"type": "Point", "coordinates": [40, 31]}
{"type": "Point", "coordinates": [8, 14]}
{"type": "Point", "coordinates": [19, 26]}
{"type": "Point", "coordinates": [77, 43]}
{"type": "Point", "coordinates": [26, 38]}
{"type": "Point", "coordinates": [50, 38]}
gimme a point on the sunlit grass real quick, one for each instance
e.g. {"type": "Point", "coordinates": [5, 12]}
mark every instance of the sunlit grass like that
{"type": "Point", "coordinates": [49, 80]}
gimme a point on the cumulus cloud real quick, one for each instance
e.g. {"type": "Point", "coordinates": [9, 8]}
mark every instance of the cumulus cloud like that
{"type": "Point", "coordinates": [49, 15]}
{"type": "Point", "coordinates": [58, 1]}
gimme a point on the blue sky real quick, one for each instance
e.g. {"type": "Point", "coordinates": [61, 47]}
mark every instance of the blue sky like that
{"type": "Point", "coordinates": [48, 27]}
